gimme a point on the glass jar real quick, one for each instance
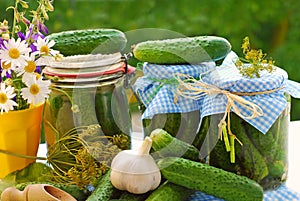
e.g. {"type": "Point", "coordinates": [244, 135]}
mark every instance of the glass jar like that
{"type": "Point", "coordinates": [88, 90]}
{"type": "Point", "coordinates": [261, 157]}
{"type": "Point", "coordinates": [183, 126]}
{"type": "Point", "coordinates": [156, 92]}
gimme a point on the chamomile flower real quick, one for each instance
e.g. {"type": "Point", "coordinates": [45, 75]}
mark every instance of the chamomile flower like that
{"type": "Point", "coordinates": [37, 90]}
{"type": "Point", "coordinates": [28, 70]}
{"type": "Point", "coordinates": [6, 94]}
{"type": "Point", "coordinates": [14, 52]}
{"type": "Point", "coordinates": [44, 47]}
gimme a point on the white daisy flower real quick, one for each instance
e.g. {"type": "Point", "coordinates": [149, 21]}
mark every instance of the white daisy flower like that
{"type": "Point", "coordinates": [36, 91]}
{"type": "Point", "coordinates": [44, 47]}
{"type": "Point", "coordinates": [28, 70]}
{"type": "Point", "coordinates": [6, 94]}
{"type": "Point", "coordinates": [14, 52]}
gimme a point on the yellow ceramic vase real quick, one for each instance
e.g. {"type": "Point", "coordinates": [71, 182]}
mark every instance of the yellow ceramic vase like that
{"type": "Point", "coordinates": [19, 133]}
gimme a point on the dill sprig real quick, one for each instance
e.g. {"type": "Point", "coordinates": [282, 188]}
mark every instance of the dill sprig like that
{"type": "Point", "coordinates": [83, 154]}
{"type": "Point", "coordinates": [87, 170]}
{"type": "Point", "coordinates": [254, 62]}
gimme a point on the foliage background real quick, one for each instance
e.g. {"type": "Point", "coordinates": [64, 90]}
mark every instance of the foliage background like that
{"type": "Point", "coordinates": [272, 25]}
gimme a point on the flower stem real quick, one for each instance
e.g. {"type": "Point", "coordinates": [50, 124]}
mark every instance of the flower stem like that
{"type": "Point", "coordinates": [22, 155]}
{"type": "Point", "coordinates": [14, 19]}
{"type": "Point", "coordinates": [64, 92]}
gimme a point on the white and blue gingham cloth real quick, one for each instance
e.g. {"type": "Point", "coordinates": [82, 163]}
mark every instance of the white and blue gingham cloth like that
{"type": "Point", "coordinates": [156, 90]}
{"type": "Point", "coordinates": [283, 193]}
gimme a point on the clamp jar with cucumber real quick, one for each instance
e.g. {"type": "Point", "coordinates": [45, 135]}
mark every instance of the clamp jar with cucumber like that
{"type": "Point", "coordinates": [88, 83]}
{"type": "Point", "coordinates": [186, 52]}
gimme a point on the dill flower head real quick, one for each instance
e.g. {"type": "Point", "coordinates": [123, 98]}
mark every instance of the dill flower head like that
{"type": "Point", "coordinates": [254, 61]}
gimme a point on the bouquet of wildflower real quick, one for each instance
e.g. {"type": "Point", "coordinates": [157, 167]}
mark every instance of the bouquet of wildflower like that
{"type": "Point", "coordinates": [22, 54]}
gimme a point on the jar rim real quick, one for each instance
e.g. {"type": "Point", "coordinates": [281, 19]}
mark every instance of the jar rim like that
{"type": "Point", "coordinates": [85, 61]}
{"type": "Point", "coordinates": [85, 72]}
{"type": "Point", "coordinates": [87, 83]}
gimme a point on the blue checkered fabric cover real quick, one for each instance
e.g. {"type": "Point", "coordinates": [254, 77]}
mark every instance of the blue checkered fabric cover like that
{"type": "Point", "coordinates": [157, 90]}
{"type": "Point", "coordinates": [283, 193]}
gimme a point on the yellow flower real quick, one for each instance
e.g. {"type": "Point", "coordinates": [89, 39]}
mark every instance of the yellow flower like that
{"type": "Point", "coordinates": [246, 45]}
{"type": "Point", "coordinates": [256, 59]}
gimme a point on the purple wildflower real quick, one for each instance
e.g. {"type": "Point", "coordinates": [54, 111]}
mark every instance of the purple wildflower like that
{"type": "Point", "coordinates": [0, 70]}
{"type": "Point", "coordinates": [21, 35]}
{"type": "Point", "coordinates": [38, 69]}
{"type": "Point", "coordinates": [31, 36]}
{"type": "Point", "coordinates": [25, 20]}
{"type": "Point", "coordinates": [42, 27]}
{"type": "Point", "coordinates": [1, 43]}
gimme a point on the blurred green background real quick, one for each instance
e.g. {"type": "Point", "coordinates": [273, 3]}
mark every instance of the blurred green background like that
{"type": "Point", "coordinates": [272, 25]}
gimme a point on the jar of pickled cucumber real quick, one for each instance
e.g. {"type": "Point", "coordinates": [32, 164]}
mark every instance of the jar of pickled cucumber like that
{"type": "Point", "coordinates": [244, 122]}
{"type": "Point", "coordinates": [156, 92]}
{"type": "Point", "coordinates": [88, 90]}
{"type": "Point", "coordinates": [262, 157]}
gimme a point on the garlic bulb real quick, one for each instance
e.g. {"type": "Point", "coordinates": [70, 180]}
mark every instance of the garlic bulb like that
{"type": "Point", "coordinates": [135, 170]}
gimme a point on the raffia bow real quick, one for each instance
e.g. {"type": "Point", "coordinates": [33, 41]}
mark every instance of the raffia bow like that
{"type": "Point", "coordinates": [189, 87]}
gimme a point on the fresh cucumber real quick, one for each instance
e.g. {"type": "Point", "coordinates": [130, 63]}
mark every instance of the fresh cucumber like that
{"type": "Point", "coordinates": [104, 191]}
{"type": "Point", "coordinates": [210, 180]}
{"type": "Point", "coordinates": [170, 192]}
{"type": "Point", "coordinates": [182, 50]}
{"type": "Point", "coordinates": [87, 41]}
{"type": "Point", "coordinates": [126, 196]}
{"type": "Point", "coordinates": [166, 145]}
{"type": "Point", "coordinates": [183, 126]}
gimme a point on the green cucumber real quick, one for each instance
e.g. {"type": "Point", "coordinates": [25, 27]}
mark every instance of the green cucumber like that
{"type": "Point", "coordinates": [210, 180]}
{"type": "Point", "coordinates": [182, 50]}
{"type": "Point", "coordinates": [251, 160]}
{"type": "Point", "coordinates": [170, 192]}
{"type": "Point", "coordinates": [126, 196]}
{"type": "Point", "coordinates": [166, 145]}
{"type": "Point", "coordinates": [183, 126]}
{"type": "Point", "coordinates": [87, 41]}
{"type": "Point", "coordinates": [112, 110]}
{"type": "Point", "coordinates": [272, 146]}
{"type": "Point", "coordinates": [104, 191]}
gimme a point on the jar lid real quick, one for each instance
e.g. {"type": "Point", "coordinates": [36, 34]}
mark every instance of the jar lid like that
{"type": "Point", "coordinates": [85, 61]}
{"type": "Point", "coordinates": [87, 68]}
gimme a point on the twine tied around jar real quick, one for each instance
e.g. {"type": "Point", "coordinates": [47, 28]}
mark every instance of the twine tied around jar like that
{"type": "Point", "coordinates": [190, 87]}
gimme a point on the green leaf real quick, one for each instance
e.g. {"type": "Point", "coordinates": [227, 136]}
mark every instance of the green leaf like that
{"type": "Point", "coordinates": [33, 172]}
